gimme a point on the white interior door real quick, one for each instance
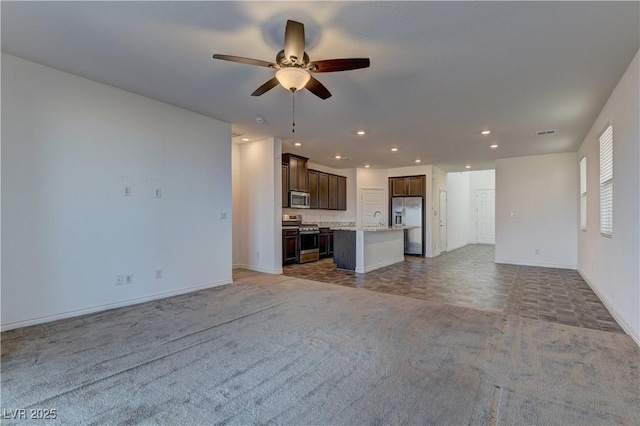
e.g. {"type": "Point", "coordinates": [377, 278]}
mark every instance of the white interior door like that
{"type": "Point", "coordinates": [443, 220]}
{"type": "Point", "coordinates": [372, 200]}
{"type": "Point", "coordinates": [486, 216]}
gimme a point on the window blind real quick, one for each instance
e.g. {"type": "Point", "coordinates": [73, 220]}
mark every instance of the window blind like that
{"type": "Point", "coordinates": [606, 181]}
{"type": "Point", "coordinates": [583, 193]}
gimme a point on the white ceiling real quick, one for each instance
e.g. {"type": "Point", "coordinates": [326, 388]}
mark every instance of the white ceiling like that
{"type": "Point", "coordinates": [440, 71]}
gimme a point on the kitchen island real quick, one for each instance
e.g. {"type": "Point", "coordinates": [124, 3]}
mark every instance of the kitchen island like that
{"type": "Point", "coordinates": [365, 248]}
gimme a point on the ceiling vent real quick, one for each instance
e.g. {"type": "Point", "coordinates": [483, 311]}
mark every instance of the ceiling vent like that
{"type": "Point", "coordinates": [236, 134]}
{"type": "Point", "coordinates": [546, 132]}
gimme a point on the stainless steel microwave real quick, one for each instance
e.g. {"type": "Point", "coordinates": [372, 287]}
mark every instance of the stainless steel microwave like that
{"type": "Point", "coordinates": [299, 200]}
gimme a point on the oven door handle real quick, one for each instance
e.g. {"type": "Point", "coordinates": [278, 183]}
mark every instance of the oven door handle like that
{"type": "Point", "coordinates": [309, 232]}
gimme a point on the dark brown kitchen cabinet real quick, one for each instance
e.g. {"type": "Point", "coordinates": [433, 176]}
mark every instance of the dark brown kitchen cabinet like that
{"type": "Point", "coordinates": [325, 242]}
{"type": "Point", "coordinates": [323, 191]}
{"type": "Point", "coordinates": [416, 186]}
{"type": "Point", "coordinates": [407, 186]}
{"type": "Point", "coordinates": [333, 192]}
{"type": "Point", "coordinates": [289, 246]}
{"type": "Point", "coordinates": [285, 187]}
{"type": "Point", "coordinates": [298, 172]}
{"type": "Point", "coordinates": [313, 189]}
{"type": "Point", "coordinates": [327, 191]}
{"type": "Point", "coordinates": [342, 193]}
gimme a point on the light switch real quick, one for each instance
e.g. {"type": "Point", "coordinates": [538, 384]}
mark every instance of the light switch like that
{"type": "Point", "coordinates": [223, 215]}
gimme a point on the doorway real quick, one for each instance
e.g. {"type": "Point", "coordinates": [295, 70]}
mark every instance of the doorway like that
{"type": "Point", "coordinates": [485, 216]}
{"type": "Point", "coordinates": [372, 202]}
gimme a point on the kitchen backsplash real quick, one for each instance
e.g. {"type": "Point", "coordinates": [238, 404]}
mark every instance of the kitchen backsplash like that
{"type": "Point", "coordinates": [332, 224]}
{"type": "Point", "coordinates": [322, 216]}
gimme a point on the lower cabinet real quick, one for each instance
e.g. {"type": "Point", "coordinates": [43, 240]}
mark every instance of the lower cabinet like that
{"type": "Point", "coordinates": [289, 246]}
{"type": "Point", "coordinates": [325, 242]}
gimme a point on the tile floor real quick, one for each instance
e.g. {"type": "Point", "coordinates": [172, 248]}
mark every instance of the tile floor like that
{"type": "Point", "coordinates": [469, 277]}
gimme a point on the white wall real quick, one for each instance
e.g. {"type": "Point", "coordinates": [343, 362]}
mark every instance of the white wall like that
{"type": "Point", "coordinates": [536, 210]}
{"type": "Point", "coordinates": [316, 215]}
{"type": "Point", "coordinates": [239, 245]}
{"type": "Point", "coordinates": [459, 222]}
{"type": "Point", "coordinates": [69, 148]}
{"type": "Point", "coordinates": [257, 229]}
{"type": "Point", "coordinates": [610, 265]}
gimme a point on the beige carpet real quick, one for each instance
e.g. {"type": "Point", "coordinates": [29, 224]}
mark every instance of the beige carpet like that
{"type": "Point", "coordinates": [275, 349]}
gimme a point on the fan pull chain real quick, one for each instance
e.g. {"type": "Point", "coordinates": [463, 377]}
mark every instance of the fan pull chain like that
{"type": "Point", "coordinates": [293, 96]}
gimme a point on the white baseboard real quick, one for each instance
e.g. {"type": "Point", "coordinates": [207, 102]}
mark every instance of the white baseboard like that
{"type": "Point", "coordinates": [277, 271]}
{"type": "Point", "coordinates": [381, 265]}
{"type": "Point", "coordinates": [107, 306]}
{"type": "Point", "coordinates": [457, 247]}
{"type": "Point", "coordinates": [540, 264]}
{"type": "Point", "coordinates": [635, 335]}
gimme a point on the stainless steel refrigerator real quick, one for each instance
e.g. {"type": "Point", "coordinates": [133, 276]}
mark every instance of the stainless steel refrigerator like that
{"type": "Point", "coordinates": [408, 211]}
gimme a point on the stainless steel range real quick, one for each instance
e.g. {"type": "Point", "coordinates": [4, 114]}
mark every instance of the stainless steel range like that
{"type": "Point", "coordinates": [308, 249]}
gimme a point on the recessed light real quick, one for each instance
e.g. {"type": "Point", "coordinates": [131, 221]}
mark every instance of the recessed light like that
{"type": "Point", "coordinates": [468, 166]}
{"type": "Point", "coordinates": [338, 157]}
{"type": "Point", "coordinates": [361, 132]}
{"type": "Point", "coordinates": [297, 144]}
{"type": "Point", "coordinates": [418, 160]}
{"type": "Point", "coordinates": [367, 166]}
{"type": "Point", "coordinates": [486, 132]}
{"type": "Point", "coordinates": [245, 139]}
{"type": "Point", "coordinates": [494, 146]}
{"type": "Point", "coordinates": [394, 149]}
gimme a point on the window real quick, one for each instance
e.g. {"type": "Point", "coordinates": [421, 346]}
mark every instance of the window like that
{"type": "Point", "coordinates": [583, 194]}
{"type": "Point", "coordinates": [606, 181]}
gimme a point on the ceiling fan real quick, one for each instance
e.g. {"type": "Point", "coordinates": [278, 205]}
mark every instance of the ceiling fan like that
{"type": "Point", "coordinates": [295, 68]}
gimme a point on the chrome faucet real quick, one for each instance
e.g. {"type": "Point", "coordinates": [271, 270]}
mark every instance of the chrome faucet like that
{"type": "Point", "coordinates": [381, 223]}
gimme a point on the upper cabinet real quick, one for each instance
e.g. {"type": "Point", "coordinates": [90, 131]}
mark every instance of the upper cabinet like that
{"type": "Point", "coordinates": [298, 173]}
{"type": "Point", "coordinates": [313, 188]}
{"type": "Point", "coordinates": [327, 191]}
{"type": "Point", "coordinates": [342, 193]}
{"type": "Point", "coordinates": [407, 186]}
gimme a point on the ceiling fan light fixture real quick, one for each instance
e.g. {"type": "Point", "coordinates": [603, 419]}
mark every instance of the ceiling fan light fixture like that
{"type": "Point", "coordinates": [293, 78]}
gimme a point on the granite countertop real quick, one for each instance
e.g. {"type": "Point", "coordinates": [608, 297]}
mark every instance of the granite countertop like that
{"type": "Point", "coordinates": [372, 228]}
{"type": "Point", "coordinates": [335, 224]}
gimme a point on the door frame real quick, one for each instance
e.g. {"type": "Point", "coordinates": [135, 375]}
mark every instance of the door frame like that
{"type": "Point", "coordinates": [443, 246]}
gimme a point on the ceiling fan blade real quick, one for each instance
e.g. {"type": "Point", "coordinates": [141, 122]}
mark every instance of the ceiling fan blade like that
{"type": "Point", "coordinates": [317, 88]}
{"type": "Point", "coordinates": [265, 87]}
{"type": "Point", "coordinates": [294, 42]}
{"type": "Point", "coordinates": [247, 61]}
{"type": "Point", "coordinates": [331, 65]}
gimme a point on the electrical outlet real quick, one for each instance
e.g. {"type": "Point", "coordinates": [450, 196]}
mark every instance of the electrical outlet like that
{"type": "Point", "coordinates": [128, 279]}
{"type": "Point", "coordinates": [119, 279]}
{"type": "Point", "coordinates": [537, 251]}
{"type": "Point", "coordinates": [158, 193]}
{"type": "Point", "coordinates": [257, 255]}
{"type": "Point", "coordinates": [158, 274]}
{"type": "Point", "coordinates": [127, 191]}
